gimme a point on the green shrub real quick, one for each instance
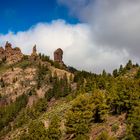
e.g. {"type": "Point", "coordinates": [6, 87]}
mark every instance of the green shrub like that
{"type": "Point", "coordinates": [25, 57]}
{"type": "Point", "coordinates": [53, 131]}
{"type": "Point", "coordinates": [115, 127]}
{"type": "Point", "coordinates": [130, 137]}
{"type": "Point", "coordinates": [24, 64]}
{"type": "Point", "coordinates": [37, 131]}
{"type": "Point", "coordinates": [105, 136]}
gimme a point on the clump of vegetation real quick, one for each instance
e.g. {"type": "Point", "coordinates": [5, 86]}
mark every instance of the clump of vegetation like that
{"type": "Point", "coordinates": [115, 127]}
{"type": "Point", "coordinates": [41, 73]}
{"type": "Point", "coordinates": [105, 136]}
{"type": "Point", "coordinates": [86, 109]}
{"type": "Point", "coordinates": [36, 131]}
{"type": "Point", "coordinates": [53, 131]}
{"type": "Point", "coordinates": [32, 113]}
{"type": "Point", "coordinates": [22, 64]}
{"type": "Point", "coordinates": [44, 57]}
{"type": "Point", "coordinates": [138, 74]}
{"type": "Point", "coordinates": [8, 113]}
{"type": "Point", "coordinates": [60, 88]}
{"type": "Point", "coordinates": [79, 117]}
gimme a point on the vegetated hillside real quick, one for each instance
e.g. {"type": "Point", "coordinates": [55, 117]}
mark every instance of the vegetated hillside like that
{"type": "Point", "coordinates": [45, 100]}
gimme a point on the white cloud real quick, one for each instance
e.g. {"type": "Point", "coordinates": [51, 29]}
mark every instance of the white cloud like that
{"type": "Point", "coordinates": [115, 24]}
{"type": "Point", "coordinates": [79, 47]}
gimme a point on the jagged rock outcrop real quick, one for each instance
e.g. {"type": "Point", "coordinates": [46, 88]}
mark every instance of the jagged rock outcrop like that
{"type": "Point", "coordinates": [10, 55]}
{"type": "Point", "coordinates": [58, 55]}
{"type": "Point", "coordinates": [2, 54]}
{"type": "Point", "coordinates": [34, 55]}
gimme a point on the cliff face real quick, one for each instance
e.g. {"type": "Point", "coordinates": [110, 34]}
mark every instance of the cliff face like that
{"type": "Point", "coordinates": [10, 55]}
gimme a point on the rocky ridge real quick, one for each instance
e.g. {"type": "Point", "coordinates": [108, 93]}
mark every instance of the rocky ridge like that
{"type": "Point", "coordinates": [18, 80]}
{"type": "Point", "coordinates": [10, 55]}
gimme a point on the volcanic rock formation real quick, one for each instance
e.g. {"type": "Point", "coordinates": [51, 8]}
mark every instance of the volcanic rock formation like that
{"type": "Point", "coordinates": [10, 55]}
{"type": "Point", "coordinates": [34, 55]}
{"type": "Point", "coordinates": [58, 55]}
{"type": "Point", "coordinates": [2, 54]}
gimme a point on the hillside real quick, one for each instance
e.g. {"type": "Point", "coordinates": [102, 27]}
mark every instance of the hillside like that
{"type": "Point", "coordinates": [43, 99]}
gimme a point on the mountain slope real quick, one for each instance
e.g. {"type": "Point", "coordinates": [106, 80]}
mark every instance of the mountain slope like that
{"type": "Point", "coordinates": [44, 99]}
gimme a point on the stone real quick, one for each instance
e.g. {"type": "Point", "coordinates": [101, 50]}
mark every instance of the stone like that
{"type": "Point", "coordinates": [58, 55]}
{"type": "Point", "coordinates": [34, 50]}
{"type": "Point", "coordinates": [10, 55]}
{"type": "Point", "coordinates": [2, 54]}
{"type": "Point", "coordinates": [34, 55]}
{"type": "Point", "coordinates": [8, 46]}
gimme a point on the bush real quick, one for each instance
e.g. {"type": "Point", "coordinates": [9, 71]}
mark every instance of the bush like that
{"type": "Point", "coordinates": [130, 137]}
{"type": "Point", "coordinates": [37, 131]}
{"type": "Point", "coordinates": [25, 57]}
{"type": "Point", "coordinates": [81, 137]}
{"type": "Point", "coordinates": [105, 136]}
{"type": "Point", "coordinates": [24, 64]}
{"type": "Point", "coordinates": [42, 71]}
{"type": "Point", "coordinates": [41, 106]}
{"type": "Point", "coordinates": [53, 131]}
{"type": "Point", "coordinates": [115, 127]}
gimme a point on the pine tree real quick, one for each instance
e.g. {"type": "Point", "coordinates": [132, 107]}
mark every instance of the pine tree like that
{"type": "Point", "coordinates": [104, 74]}
{"type": "Point", "coordinates": [121, 69]}
{"type": "Point", "coordinates": [134, 121]}
{"type": "Point", "coordinates": [115, 73]}
{"type": "Point", "coordinates": [129, 65]}
{"type": "Point", "coordinates": [138, 74]}
{"type": "Point", "coordinates": [79, 117]}
{"type": "Point", "coordinates": [101, 108]}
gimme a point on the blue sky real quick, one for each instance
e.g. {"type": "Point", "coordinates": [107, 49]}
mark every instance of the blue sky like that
{"type": "Point", "coordinates": [19, 15]}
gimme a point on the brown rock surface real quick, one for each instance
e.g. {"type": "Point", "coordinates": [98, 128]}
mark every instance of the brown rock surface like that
{"type": "Point", "coordinates": [2, 54]}
{"type": "Point", "coordinates": [34, 55]}
{"type": "Point", "coordinates": [58, 55]}
{"type": "Point", "coordinates": [17, 82]}
{"type": "Point", "coordinates": [11, 55]}
{"type": "Point", "coordinates": [60, 73]}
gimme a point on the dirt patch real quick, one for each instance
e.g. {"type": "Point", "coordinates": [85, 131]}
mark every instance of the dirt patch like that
{"type": "Point", "coordinates": [115, 126]}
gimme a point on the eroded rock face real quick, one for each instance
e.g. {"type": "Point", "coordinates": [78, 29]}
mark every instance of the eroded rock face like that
{"type": "Point", "coordinates": [58, 55]}
{"type": "Point", "coordinates": [9, 54]}
{"type": "Point", "coordinates": [17, 82]}
{"type": "Point", "coordinates": [34, 55]}
{"type": "Point", "coordinates": [2, 54]}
